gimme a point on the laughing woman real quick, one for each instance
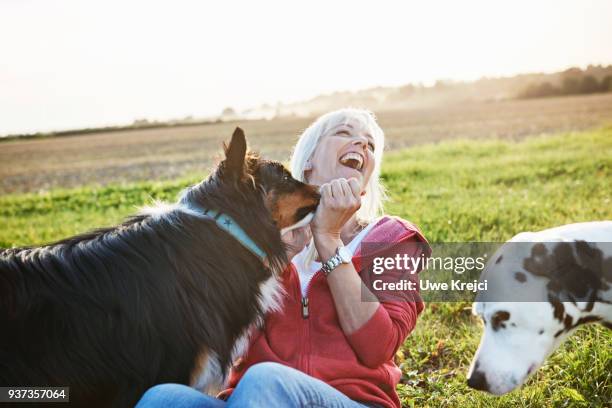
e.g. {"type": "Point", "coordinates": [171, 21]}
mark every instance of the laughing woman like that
{"type": "Point", "coordinates": [326, 347]}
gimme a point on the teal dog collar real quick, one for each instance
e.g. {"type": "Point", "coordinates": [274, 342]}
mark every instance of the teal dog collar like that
{"type": "Point", "coordinates": [229, 225]}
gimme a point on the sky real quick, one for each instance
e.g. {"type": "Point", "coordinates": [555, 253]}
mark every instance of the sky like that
{"type": "Point", "coordinates": [69, 64]}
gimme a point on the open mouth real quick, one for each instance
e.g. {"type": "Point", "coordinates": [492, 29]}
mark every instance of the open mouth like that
{"type": "Point", "coordinates": [352, 160]}
{"type": "Point", "coordinates": [304, 211]}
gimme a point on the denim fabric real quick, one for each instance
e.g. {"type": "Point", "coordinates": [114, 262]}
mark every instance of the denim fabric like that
{"type": "Point", "coordinates": [264, 385]}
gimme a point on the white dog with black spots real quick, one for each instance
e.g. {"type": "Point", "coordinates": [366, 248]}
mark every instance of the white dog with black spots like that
{"type": "Point", "coordinates": [542, 286]}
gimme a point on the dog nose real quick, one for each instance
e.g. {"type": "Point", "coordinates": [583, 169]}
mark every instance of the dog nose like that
{"type": "Point", "coordinates": [315, 192]}
{"type": "Point", "coordinates": [478, 381]}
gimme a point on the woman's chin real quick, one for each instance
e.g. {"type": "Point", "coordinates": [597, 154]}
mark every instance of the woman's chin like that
{"type": "Point", "coordinates": [343, 172]}
{"type": "Point", "coordinates": [347, 173]}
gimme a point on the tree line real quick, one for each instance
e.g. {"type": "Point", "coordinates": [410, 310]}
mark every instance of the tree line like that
{"type": "Point", "coordinates": [570, 85]}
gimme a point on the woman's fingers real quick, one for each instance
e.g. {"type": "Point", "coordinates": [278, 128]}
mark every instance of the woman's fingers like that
{"type": "Point", "coordinates": [339, 200]}
{"type": "Point", "coordinates": [336, 188]}
{"type": "Point", "coordinates": [350, 189]}
{"type": "Point", "coordinates": [346, 188]}
{"type": "Point", "coordinates": [325, 191]}
{"type": "Point", "coordinates": [355, 187]}
{"type": "Point", "coordinates": [341, 193]}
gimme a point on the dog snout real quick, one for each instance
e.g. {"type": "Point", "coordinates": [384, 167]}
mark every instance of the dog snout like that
{"type": "Point", "coordinates": [315, 192]}
{"type": "Point", "coordinates": [478, 381]}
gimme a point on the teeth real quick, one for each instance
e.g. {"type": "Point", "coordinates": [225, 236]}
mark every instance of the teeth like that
{"type": "Point", "coordinates": [352, 156]}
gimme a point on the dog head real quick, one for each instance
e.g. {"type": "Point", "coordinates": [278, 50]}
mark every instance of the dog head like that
{"type": "Point", "coordinates": [288, 200]}
{"type": "Point", "coordinates": [539, 292]}
{"type": "Point", "coordinates": [517, 338]}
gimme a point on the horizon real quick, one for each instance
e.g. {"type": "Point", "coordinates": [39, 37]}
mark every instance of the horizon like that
{"type": "Point", "coordinates": [74, 65]}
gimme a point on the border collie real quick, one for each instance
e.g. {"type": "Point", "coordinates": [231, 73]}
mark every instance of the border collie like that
{"type": "Point", "coordinates": [170, 295]}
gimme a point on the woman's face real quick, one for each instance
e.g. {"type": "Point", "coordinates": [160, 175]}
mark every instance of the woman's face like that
{"type": "Point", "coordinates": [345, 151]}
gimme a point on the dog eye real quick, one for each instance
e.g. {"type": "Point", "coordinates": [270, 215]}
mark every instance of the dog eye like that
{"type": "Point", "coordinates": [286, 177]}
{"type": "Point", "coordinates": [371, 146]}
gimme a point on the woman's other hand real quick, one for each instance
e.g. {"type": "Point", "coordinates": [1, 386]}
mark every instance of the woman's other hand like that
{"type": "Point", "coordinates": [296, 240]}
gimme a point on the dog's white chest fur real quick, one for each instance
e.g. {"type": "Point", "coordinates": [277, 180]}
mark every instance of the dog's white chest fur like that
{"type": "Point", "coordinates": [210, 380]}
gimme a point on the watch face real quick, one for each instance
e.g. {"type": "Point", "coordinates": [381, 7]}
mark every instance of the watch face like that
{"type": "Point", "coordinates": [344, 254]}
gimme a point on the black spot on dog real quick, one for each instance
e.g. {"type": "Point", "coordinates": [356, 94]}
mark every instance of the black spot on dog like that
{"type": "Point", "coordinates": [539, 250]}
{"type": "Point", "coordinates": [520, 276]}
{"type": "Point", "coordinates": [569, 325]}
{"type": "Point", "coordinates": [498, 319]}
{"type": "Point", "coordinates": [585, 320]}
{"type": "Point", "coordinates": [567, 322]}
{"type": "Point", "coordinates": [499, 259]}
{"type": "Point", "coordinates": [558, 308]}
{"type": "Point", "coordinates": [541, 332]}
{"type": "Point", "coordinates": [575, 271]}
{"type": "Point", "coordinates": [588, 319]}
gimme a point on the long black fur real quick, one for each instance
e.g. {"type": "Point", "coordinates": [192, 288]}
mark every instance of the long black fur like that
{"type": "Point", "coordinates": [114, 311]}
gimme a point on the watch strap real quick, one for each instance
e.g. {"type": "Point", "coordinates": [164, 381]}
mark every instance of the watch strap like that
{"type": "Point", "coordinates": [332, 263]}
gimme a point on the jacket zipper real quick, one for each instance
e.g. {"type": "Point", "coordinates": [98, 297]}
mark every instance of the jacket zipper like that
{"type": "Point", "coordinates": [305, 312]}
{"type": "Point", "coordinates": [305, 307]}
{"type": "Point", "coordinates": [305, 318]}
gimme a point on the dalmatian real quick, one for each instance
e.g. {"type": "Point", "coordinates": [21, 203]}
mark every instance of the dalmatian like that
{"type": "Point", "coordinates": [542, 286]}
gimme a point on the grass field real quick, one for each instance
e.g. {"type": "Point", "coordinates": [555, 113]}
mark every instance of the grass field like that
{"type": "Point", "coordinates": [455, 191]}
{"type": "Point", "coordinates": [153, 154]}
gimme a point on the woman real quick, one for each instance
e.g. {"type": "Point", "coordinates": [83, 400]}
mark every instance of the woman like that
{"type": "Point", "coordinates": [327, 347]}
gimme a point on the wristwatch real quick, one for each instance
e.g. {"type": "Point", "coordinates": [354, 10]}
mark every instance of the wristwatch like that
{"type": "Point", "coordinates": [342, 256]}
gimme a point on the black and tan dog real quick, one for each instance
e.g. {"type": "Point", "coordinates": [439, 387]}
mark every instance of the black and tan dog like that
{"type": "Point", "coordinates": [170, 295]}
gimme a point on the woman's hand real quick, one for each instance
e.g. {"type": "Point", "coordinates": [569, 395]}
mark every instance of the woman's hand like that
{"type": "Point", "coordinates": [340, 199]}
{"type": "Point", "coordinates": [296, 240]}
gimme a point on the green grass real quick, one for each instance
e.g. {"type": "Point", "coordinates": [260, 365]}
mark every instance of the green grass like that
{"type": "Point", "coordinates": [454, 191]}
{"type": "Point", "coordinates": [39, 218]}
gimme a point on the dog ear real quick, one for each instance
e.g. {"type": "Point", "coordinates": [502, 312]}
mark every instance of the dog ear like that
{"type": "Point", "coordinates": [236, 151]}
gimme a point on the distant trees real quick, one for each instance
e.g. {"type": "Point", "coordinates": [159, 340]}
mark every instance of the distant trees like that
{"type": "Point", "coordinates": [539, 90]}
{"type": "Point", "coordinates": [606, 84]}
{"type": "Point", "coordinates": [141, 122]}
{"type": "Point", "coordinates": [574, 82]}
{"type": "Point", "coordinates": [229, 111]}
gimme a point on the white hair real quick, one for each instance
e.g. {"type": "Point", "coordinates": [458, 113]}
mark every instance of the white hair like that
{"type": "Point", "coordinates": [372, 201]}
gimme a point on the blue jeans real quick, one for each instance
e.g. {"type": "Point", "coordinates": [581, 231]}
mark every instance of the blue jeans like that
{"type": "Point", "coordinates": [263, 385]}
